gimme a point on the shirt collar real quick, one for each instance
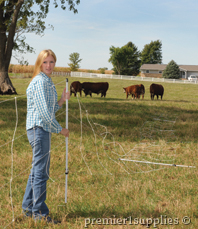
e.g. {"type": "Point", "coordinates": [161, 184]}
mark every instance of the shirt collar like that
{"type": "Point", "coordinates": [45, 76]}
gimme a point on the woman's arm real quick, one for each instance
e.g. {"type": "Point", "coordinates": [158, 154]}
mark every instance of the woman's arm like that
{"type": "Point", "coordinates": [65, 96]}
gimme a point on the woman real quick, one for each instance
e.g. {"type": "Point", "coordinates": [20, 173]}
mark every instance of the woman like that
{"type": "Point", "coordinates": [42, 105]}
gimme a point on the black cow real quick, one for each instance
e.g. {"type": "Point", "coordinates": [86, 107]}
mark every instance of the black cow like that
{"type": "Point", "coordinates": [156, 89]}
{"type": "Point", "coordinates": [75, 87]}
{"type": "Point", "coordinates": [97, 88]}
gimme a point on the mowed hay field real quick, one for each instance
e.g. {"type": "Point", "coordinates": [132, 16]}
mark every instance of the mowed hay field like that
{"type": "Point", "coordinates": [103, 191]}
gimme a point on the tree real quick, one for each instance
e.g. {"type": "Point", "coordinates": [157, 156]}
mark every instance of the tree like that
{"type": "Point", "coordinates": [152, 53]}
{"type": "Point", "coordinates": [102, 70]}
{"type": "Point", "coordinates": [125, 60]}
{"type": "Point", "coordinates": [117, 59]}
{"type": "Point", "coordinates": [18, 17]}
{"type": "Point", "coordinates": [133, 60]}
{"type": "Point", "coordinates": [171, 71]}
{"type": "Point", "coordinates": [74, 58]}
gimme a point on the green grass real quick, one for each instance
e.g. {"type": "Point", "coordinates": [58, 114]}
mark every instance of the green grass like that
{"type": "Point", "coordinates": [104, 187]}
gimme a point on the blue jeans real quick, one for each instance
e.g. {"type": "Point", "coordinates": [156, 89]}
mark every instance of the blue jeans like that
{"type": "Point", "coordinates": [35, 194]}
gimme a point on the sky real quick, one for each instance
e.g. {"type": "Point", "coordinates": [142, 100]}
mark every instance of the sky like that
{"type": "Point", "coordinates": [101, 24]}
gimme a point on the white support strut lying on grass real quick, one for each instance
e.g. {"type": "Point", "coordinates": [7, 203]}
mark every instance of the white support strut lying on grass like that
{"type": "Point", "coordinates": [155, 163]}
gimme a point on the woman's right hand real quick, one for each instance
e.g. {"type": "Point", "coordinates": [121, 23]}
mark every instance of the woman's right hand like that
{"type": "Point", "coordinates": [65, 132]}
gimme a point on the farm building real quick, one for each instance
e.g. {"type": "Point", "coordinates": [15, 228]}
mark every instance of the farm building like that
{"type": "Point", "coordinates": [156, 70]}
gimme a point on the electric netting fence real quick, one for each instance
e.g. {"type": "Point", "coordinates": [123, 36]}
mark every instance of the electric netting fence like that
{"type": "Point", "coordinates": [106, 152]}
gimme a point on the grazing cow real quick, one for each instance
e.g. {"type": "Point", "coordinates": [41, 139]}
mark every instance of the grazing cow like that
{"type": "Point", "coordinates": [156, 89]}
{"type": "Point", "coordinates": [75, 87]}
{"type": "Point", "coordinates": [97, 88]}
{"type": "Point", "coordinates": [135, 91]}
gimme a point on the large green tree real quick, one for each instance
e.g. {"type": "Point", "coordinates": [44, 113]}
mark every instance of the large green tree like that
{"type": "Point", "coordinates": [74, 61]}
{"type": "Point", "coordinates": [125, 60]}
{"type": "Point", "coordinates": [18, 17]}
{"type": "Point", "coordinates": [133, 60]}
{"type": "Point", "coordinates": [171, 71]}
{"type": "Point", "coordinates": [152, 53]}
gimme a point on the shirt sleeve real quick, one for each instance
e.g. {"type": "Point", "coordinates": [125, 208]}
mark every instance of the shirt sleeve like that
{"type": "Point", "coordinates": [45, 107]}
{"type": "Point", "coordinates": [57, 107]}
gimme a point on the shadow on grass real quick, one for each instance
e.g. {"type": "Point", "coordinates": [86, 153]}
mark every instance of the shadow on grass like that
{"type": "Point", "coordinates": [125, 118]}
{"type": "Point", "coordinates": [111, 213]}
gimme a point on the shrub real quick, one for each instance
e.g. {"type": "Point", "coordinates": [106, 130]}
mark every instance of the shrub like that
{"type": "Point", "coordinates": [171, 71]}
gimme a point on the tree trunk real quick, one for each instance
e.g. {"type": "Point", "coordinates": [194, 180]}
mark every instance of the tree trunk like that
{"type": "Point", "coordinates": [6, 87]}
{"type": "Point", "coordinates": [9, 11]}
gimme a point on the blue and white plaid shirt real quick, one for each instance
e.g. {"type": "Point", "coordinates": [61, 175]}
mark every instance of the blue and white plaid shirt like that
{"type": "Point", "coordinates": [42, 104]}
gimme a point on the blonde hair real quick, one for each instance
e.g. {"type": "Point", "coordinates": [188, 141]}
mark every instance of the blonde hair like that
{"type": "Point", "coordinates": [42, 55]}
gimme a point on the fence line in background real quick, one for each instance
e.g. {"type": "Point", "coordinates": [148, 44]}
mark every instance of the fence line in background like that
{"type": "Point", "coordinates": [62, 73]}
{"type": "Point", "coordinates": [110, 76]}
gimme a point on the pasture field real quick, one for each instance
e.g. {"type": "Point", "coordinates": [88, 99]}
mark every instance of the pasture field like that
{"type": "Point", "coordinates": [103, 191]}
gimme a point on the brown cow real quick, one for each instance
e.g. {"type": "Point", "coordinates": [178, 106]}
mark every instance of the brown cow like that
{"type": "Point", "coordinates": [75, 87]}
{"type": "Point", "coordinates": [156, 89]}
{"type": "Point", "coordinates": [135, 91]}
{"type": "Point", "coordinates": [97, 88]}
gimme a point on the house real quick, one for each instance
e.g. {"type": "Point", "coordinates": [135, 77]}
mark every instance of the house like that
{"type": "Point", "coordinates": [156, 70]}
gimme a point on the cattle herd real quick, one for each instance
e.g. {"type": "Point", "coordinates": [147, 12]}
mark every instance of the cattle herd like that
{"type": "Point", "coordinates": [101, 87]}
{"type": "Point", "coordinates": [89, 88]}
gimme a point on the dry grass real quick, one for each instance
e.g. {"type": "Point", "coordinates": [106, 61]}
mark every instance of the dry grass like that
{"type": "Point", "coordinates": [130, 191]}
{"type": "Point", "coordinates": [30, 68]}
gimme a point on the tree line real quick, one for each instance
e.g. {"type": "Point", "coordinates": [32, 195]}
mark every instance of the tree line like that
{"type": "Point", "coordinates": [127, 60]}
